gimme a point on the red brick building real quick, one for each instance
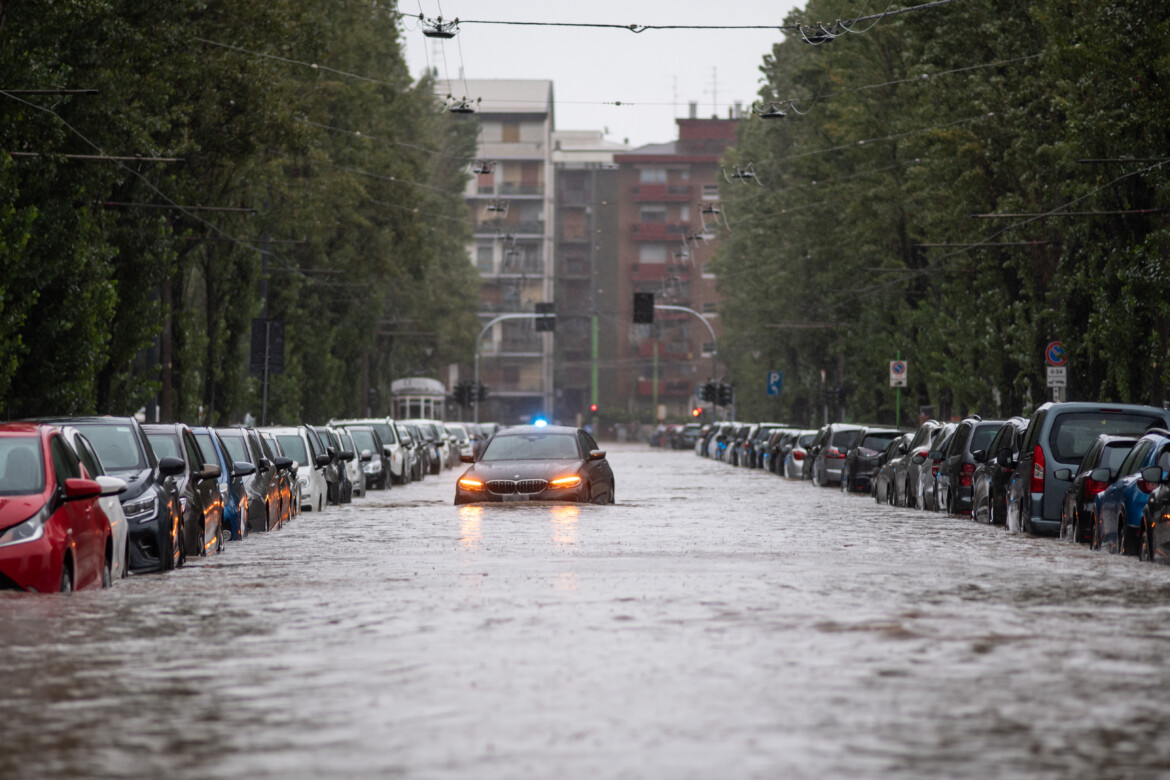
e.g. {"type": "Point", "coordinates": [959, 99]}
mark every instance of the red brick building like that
{"type": "Point", "coordinates": [668, 224]}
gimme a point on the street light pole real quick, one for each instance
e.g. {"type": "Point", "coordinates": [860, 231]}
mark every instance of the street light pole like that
{"type": "Point", "coordinates": [501, 318]}
{"type": "Point", "coordinates": [702, 319]}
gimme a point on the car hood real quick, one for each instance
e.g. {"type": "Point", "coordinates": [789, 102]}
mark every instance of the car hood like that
{"type": "Point", "coordinates": [525, 469]}
{"type": "Point", "coordinates": [16, 509]}
{"type": "Point", "coordinates": [137, 481]}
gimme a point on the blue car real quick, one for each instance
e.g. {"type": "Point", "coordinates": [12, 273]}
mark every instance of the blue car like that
{"type": "Point", "coordinates": [231, 484]}
{"type": "Point", "coordinates": [1119, 507]}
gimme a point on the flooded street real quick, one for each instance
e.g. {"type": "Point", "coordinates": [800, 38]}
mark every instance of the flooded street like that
{"type": "Point", "coordinates": [716, 622]}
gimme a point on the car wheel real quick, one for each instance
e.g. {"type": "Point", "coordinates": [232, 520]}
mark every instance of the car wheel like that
{"type": "Point", "coordinates": [66, 578]}
{"type": "Point", "coordinates": [202, 551]}
{"type": "Point", "coordinates": [612, 496]}
{"type": "Point", "coordinates": [126, 560]}
{"type": "Point", "coordinates": [182, 545]}
{"type": "Point", "coordinates": [108, 571]}
{"type": "Point", "coordinates": [1146, 548]}
{"type": "Point", "coordinates": [1095, 540]}
{"type": "Point", "coordinates": [1122, 546]}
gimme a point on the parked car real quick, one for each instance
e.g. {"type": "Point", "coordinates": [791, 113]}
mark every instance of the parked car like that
{"type": "Point", "coordinates": [929, 465]}
{"type": "Point", "coordinates": [110, 503]}
{"type": "Point", "coordinates": [1078, 514]}
{"type": "Point", "coordinates": [420, 454]}
{"type": "Point", "coordinates": [863, 459]}
{"type": "Point", "coordinates": [54, 535]}
{"type": "Point", "coordinates": [751, 450]}
{"type": "Point", "coordinates": [796, 460]}
{"type": "Point", "coordinates": [151, 500]}
{"type": "Point", "coordinates": [353, 467]}
{"type": "Point", "coordinates": [302, 448]}
{"type": "Point", "coordinates": [1058, 436]}
{"type": "Point", "coordinates": [367, 442]}
{"type": "Point", "coordinates": [552, 463]}
{"type": "Point", "coordinates": [198, 485]}
{"type": "Point", "coordinates": [230, 484]}
{"type": "Point", "coordinates": [773, 450]}
{"type": "Point", "coordinates": [990, 480]}
{"type": "Point", "coordinates": [883, 480]}
{"type": "Point", "coordinates": [286, 476]}
{"type": "Point", "coordinates": [831, 445]}
{"type": "Point", "coordinates": [957, 470]}
{"type": "Point", "coordinates": [1120, 506]}
{"type": "Point", "coordinates": [907, 473]}
{"type": "Point", "coordinates": [261, 501]}
{"type": "Point", "coordinates": [1154, 541]}
{"type": "Point", "coordinates": [394, 450]}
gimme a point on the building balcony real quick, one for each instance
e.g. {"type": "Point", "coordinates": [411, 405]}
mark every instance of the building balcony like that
{"type": "Point", "coordinates": [514, 188]}
{"type": "Point", "coordinates": [659, 231]}
{"type": "Point", "coordinates": [575, 269]}
{"type": "Point", "coordinates": [661, 193]}
{"type": "Point", "coordinates": [657, 272]}
{"type": "Point", "coordinates": [573, 198]}
{"type": "Point", "coordinates": [669, 350]}
{"type": "Point", "coordinates": [667, 388]}
{"type": "Point", "coordinates": [491, 227]}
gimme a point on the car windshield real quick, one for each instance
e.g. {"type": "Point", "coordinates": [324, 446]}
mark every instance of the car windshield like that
{"type": "Point", "coordinates": [165, 444]}
{"type": "Point", "coordinates": [536, 446]}
{"type": "Point", "coordinates": [364, 440]}
{"type": "Point", "coordinates": [22, 467]}
{"type": "Point", "coordinates": [115, 445]}
{"type": "Point", "coordinates": [386, 431]}
{"type": "Point", "coordinates": [879, 441]}
{"type": "Point", "coordinates": [1074, 432]}
{"type": "Point", "coordinates": [293, 446]}
{"type": "Point", "coordinates": [843, 440]}
{"type": "Point", "coordinates": [981, 438]}
{"type": "Point", "coordinates": [236, 448]}
{"type": "Point", "coordinates": [1114, 454]}
{"type": "Point", "coordinates": [458, 433]}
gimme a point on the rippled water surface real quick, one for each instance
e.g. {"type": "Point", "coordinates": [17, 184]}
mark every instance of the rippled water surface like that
{"type": "Point", "coordinates": [716, 622]}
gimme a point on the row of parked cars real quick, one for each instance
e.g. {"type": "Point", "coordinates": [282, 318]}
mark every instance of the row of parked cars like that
{"type": "Point", "coordinates": [86, 500]}
{"type": "Point", "coordinates": [1093, 473]}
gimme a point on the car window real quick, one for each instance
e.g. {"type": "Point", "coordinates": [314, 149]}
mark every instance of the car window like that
{"type": "Point", "coordinates": [207, 448]}
{"type": "Point", "coordinates": [265, 450]}
{"type": "Point", "coordinates": [1032, 433]}
{"type": "Point", "coordinates": [165, 445]}
{"type": "Point", "coordinates": [843, 440]}
{"type": "Point", "coordinates": [1074, 432]}
{"type": "Point", "coordinates": [386, 431]}
{"type": "Point", "coordinates": [194, 457]}
{"type": "Point", "coordinates": [22, 469]}
{"type": "Point", "coordinates": [88, 457]}
{"type": "Point", "coordinates": [116, 445]}
{"type": "Point", "coordinates": [1134, 460]}
{"type": "Point", "coordinates": [922, 435]}
{"type": "Point", "coordinates": [253, 443]}
{"type": "Point", "coordinates": [65, 463]}
{"type": "Point", "coordinates": [536, 446]}
{"type": "Point", "coordinates": [364, 440]}
{"type": "Point", "coordinates": [981, 438]}
{"type": "Point", "coordinates": [294, 447]}
{"type": "Point", "coordinates": [879, 441]}
{"type": "Point", "coordinates": [1115, 454]}
{"type": "Point", "coordinates": [234, 441]}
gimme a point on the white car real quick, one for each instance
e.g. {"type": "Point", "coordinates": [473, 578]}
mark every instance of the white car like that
{"type": "Point", "coordinates": [301, 447]}
{"type": "Point", "coordinates": [112, 487]}
{"type": "Point", "coordinates": [396, 454]}
{"type": "Point", "coordinates": [353, 466]}
{"type": "Point", "coordinates": [463, 442]}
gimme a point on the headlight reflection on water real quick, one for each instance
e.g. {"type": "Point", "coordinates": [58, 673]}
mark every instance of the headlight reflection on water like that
{"type": "Point", "coordinates": [470, 526]}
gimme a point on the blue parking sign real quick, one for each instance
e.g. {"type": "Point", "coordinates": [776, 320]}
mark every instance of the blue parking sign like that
{"type": "Point", "coordinates": [775, 382]}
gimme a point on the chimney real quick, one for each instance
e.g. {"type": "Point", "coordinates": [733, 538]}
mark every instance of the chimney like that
{"type": "Point", "coordinates": [739, 109]}
{"type": "Point", "coordinates": [693, 113]}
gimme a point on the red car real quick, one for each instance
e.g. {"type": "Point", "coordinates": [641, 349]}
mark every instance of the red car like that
{"type": "Point", "coordinates": [53, 534]}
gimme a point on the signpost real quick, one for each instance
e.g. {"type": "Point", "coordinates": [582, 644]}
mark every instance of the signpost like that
{"type": "Point", "coordinates": [898, 371]}
{"type": "Point", "coordinates": [1055, 357]}
{"type": "Point", "coordinates": [775, 382]}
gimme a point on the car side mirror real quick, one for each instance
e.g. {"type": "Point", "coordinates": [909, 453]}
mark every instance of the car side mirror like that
{"type": "Point", "coordinates": [242, 468]}
{"type": "Point", "coordinates": [979, 456]}
{"type": "Point", "coordinates": [323, 459]}
{"type": "Point", "coordinates": [467, 459]}
{"type": "Point", "coordinates": [332, 452]}
{"type": "Point", "coordinates": [367, 456]}
{"type": "Point", "coordinates": [1064, 475]}
{"type": "Point", "coordinates": [76, 489]}
{"type": "Point", "coordinates": [597, 455]}
{"type": "Point", "coordinates": [882, 459]}
{"type": "Point", "coordinates": [387, 450]}
{"type": "Point", "coordinates": [1102, 474]}
{"type": "Point", "coordinates": [903, 448]}
{"type": "Point", "coordinates": [1152, 474]}
{"type": "Point", "coordinates": [346, 455]}
{"type": "Point", "coordinates": [170, 466]}
{"type": "Point", "coordinates": [1004, 457]}
{"type": "Point", "coordinates": [111, 486]}
{"type": "Point", "coordinates": [935, 455]}
{"type": "Point", "coordinates": [284, 463]}
{"type": "Point", "coordinates": [265, 464]}
{"type": "Point", "coordinates": [918, 459]}
{"type": "Point", "coordinates": [210, 471]}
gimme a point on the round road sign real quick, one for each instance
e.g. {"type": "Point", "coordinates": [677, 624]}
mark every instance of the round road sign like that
{"type": "Point", "coordinates": [1054, 354]}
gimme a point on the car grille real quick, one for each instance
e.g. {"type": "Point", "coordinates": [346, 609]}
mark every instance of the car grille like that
{"type": "Point", "coordinates": [506, 487]}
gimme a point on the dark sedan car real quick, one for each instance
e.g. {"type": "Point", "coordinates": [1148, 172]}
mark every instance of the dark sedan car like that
{"type": "Point", "coordinates": [957, 471]}
{"type": "Point", "coordinates": [882, 486]}
{"type": "Point", "coordinates": [531, 463]}
{"type": "Point", "coordinates": [198, 485]}
{"type": "Point", "coordinates": [863, 459]}
{"type": "Point", "coordinates": [1078, 516]}
{"type": "Point", "coordinates": [990, 480]}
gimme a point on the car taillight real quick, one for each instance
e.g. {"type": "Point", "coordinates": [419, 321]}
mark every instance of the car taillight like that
{"type": "Point", "coordinates": [798, 455]}
{"type": "Point", "coordinates": [1037, 470]}
{"type": "Point", "coordinates": [1146, 487]}
{"type": "Point", "coordinates": [1093, 487]}
{"type": "Point", "coordinates": [965, 474]}
{"type": "Point", "coordinates": [833, 452]}
{"type": "Point", "coordinates": [934, 467]}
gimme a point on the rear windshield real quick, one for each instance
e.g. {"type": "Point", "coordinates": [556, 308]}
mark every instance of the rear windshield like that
{"type": "Point", "coordinates": [1074, 432]}
{"type": "Point", "coordinates": [22, 467]}
{"type": "Point", "coordinates": [879, 441]}
{"type": "Point", "coordinates": [845, 439]}
{"type": "Point", "coordinates": [532, 447]}
{"type": "Point", "coordinates": [805, 440]}
{"type": "Point", "coordinates": [1114, 455]}
{"type": "Point", "coordinates": [982, 437]}
{"type": "Point", "coordinates": [115, 445]}
{"type": "Point", "coordinates": [386, 431]}
{"type": "Point", "coordinates": [458, 433]}
{"type": "Point", "coordinates": [165, 445]}
{"type": "Point", "coordinates": [364, 440]}
{"type": "Point", "coordinates": [294, 447]}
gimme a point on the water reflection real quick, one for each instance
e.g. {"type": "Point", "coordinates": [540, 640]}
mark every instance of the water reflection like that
{"type": "Point", "coordinates": [470, 526]}
{"type": "Point", "coordinates": [564, 524]}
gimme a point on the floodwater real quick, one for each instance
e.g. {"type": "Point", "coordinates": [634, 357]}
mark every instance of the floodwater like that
{"type": "Point", "coordinates": [715, 623]}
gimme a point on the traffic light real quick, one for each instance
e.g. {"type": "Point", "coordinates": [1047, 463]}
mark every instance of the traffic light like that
{"type": "Point", "coordinates": [548, 322]}
{"type": "Point", "coordinates": [481, 392]}
{"type": "Point", "coordinates": [726, 395]}
{"type": "Point", "coordinates": [593, 408]}
{"type": "Point", "coordinates": [643, 308]}
{"type": "Point", "coordinates": [707, 392]}
{"type": "Point", "coordinates": [696, 412]}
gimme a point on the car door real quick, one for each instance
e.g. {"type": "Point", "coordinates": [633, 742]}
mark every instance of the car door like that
{"type": "Point", "coordinates": [206, 490]}
{"type": "Point", "coordinates": [600, 474]}
{"type": "Point", "coordinates": [83, 522]}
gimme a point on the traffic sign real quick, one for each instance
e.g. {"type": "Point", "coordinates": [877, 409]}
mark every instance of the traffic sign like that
{"type": "Point", "coordinates": [1057, 376]}
{"type": "Point", "coordinates": [775, 382]}
{"type": "Point", "coordinates": [898, 373]}
{"type": "Point", "coordinates": [1054, 353]}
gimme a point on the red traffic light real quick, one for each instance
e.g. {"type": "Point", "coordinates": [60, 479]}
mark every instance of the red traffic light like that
{"type": "Point", "coordinates": [696, 412]}
{"type": "Point", "coordinates": [593, 408]}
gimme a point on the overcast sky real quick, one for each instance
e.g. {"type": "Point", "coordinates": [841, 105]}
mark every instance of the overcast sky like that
{"type": "Point", "coordinates": [659, 71]}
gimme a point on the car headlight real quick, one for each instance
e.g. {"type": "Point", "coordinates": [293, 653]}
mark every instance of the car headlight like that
{"type": "Point", "coordinates": [141, 509]}
{"type": "Point", "coordinates": [467, 483]}
{"type": "Point", "coordinates": [565, 482]}
{"type": "Point", "coordinates": [28, 531]}
{"type": "Point", "coordinates": [303, 481]}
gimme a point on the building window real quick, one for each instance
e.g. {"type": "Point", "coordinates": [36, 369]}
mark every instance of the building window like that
{"type": "Point", "coordinates": [708, 271]}
{"type": "Point", "coordinates": [510, 133]}
{"type": "Point", "coordinates": [684, 212]}
{"type": "Point", "coordinates": [684, 174]}
{"type": "Point", "coordinates": [652, 175]}
{"type": "Point", "coordinates": [710, 192]}
{"type": "Point", "coordinates": [483, 257]}
{"type": "Point", "coordinates": [710, 307]}
{"type": "Point", "coordinates": [708, 348]}
{"type": "Point", "coordinates": [652, 253]}
{"type": "Point", "coordinates": [654, 213]}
